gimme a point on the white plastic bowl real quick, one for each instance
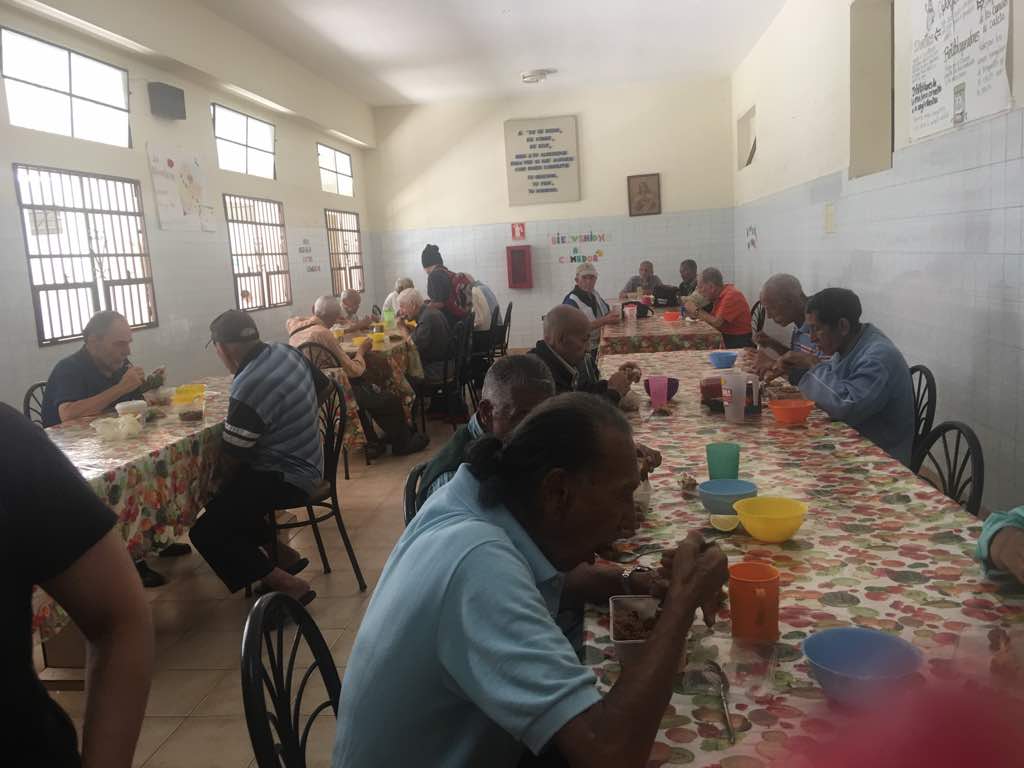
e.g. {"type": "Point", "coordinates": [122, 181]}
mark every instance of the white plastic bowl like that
{"type": "Point", "coordinates": [132, 408]}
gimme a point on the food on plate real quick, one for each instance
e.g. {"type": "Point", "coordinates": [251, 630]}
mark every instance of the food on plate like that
{"type": "Point", "coordinates": [687, 483]}
{"type": "Point", "coordinates": [191, 415]}
{"type": "Point", "coordinates": [629, 625]}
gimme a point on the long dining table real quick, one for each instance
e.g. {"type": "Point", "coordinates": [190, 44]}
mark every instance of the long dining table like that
{"type": "Point", "coordinates": [656, 334]}
{"type": "Point", "coordinates": [880, 548]}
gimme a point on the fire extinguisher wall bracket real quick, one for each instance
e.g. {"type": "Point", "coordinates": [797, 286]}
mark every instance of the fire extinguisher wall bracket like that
{"type": "Point", "coordinates": [520, 266]}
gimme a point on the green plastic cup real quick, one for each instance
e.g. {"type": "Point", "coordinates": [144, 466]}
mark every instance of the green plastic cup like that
{"type": "Point", "coordinates": [723, 461]}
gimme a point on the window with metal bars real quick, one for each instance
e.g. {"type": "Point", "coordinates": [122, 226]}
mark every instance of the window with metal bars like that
{"type": "Point", "coordinates": [56, 90]}
{"type": "Point", "coordinates": [335, 170]}
{"type": "Point", "coordinates": [259, 252]}
{"type": "Point", "coordinates": [244, 144]}
{"type": "Point", "coordinates": [345, 246]}
{"type": "Point", "coordinates": [85, 238]}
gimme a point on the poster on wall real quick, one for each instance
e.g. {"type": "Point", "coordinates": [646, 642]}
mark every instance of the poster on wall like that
{"type": "Point", "coordinates": [541, 160]}
{"type": "Point", "coordinates": [958, 62]}
{"type": "Point", "coordinates": [179, 185]}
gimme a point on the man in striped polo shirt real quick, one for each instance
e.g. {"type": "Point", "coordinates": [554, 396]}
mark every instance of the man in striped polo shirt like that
{"type": "Point", "coordinates": [272, 454]}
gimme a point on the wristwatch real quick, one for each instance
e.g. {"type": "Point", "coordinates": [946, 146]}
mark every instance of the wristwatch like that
{"type": "Point", "coordinates": [627, 572]}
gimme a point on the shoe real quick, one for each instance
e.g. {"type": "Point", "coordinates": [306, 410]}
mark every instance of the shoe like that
{"type": "Point", "coordinates": [416, 444]}
{"type": "Point", "coordinates": [175, 550]}
{"type": "Point", "coordinates": [150, 578]}
{"type": "Point", "coordinates": [375, 450]}
{"type": "Point", "coordinates": [297, 567]}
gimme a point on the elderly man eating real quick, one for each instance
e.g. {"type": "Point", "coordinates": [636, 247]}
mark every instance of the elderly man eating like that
{"type": "Point", "coordinates": [784, 302]}
{"type": "Point", "coordinates": [645, 282]}
{"type": "Point", "coordinates": [459, 650]}
{"type": "Point", "coordinates": [374, 403]}
{"type": "Point", "coordinates": [430, 333]}
{"type": "Point", "coordinates": [729, 313]}
{"type": "Point", "coordinates": [350, 303]}
{"type": "Point", "coordinates": [866, 383]}
{"type": "Point", "coordinates": [564, 350]}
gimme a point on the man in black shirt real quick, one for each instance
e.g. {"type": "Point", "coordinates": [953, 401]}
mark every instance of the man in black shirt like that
{"type": "Point", "coordinates": [56, 533]}
{"type": "Point", "coordinates": [93, 380]}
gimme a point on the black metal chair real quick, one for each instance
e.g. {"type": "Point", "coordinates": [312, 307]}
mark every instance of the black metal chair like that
{"type": "Point", "coordinates": [323, 357]}
{"type": "Point", "coordinates": [32, 405]}
{"type": "Point", "coordinates": [271, 693]}
{"type": "Point", "coordinates": [925, 399]}
{"type": "Point", "coordinates": [376, 311]}
{"type": "Point", "coordinates": [507, 325]}
{"type": "Point", "coordinates": [485, 346]}
{"type": "Point", "coordinates": [325, 496]}
{"type": "Point", "coordinates": [951, 460]}
{"type": "Point", "coordinates": [454, 376]}
{"type": "Point", "coordinates": [757, 317]}
{"type": "Point", "coordinates": [412, 488]}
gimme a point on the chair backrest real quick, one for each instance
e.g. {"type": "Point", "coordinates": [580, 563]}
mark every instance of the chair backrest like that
{"type": "Point", "coordinates": [497, 330]}
{"type": "Point", "coordinates": [412, 484]}
{"type": "Point", "coordinates": [508, 328]}
{"type": "Point", "coordinates": [925, 398]}
{"type": "Point", "coordinates": [465, 349]}
{"type": "Point", "coordinates": [376, 311]}
{"type": "Point", "coordinates": [271, 692]}
{"type": "Point", "coordinates": [950, 459]}
{"type": "Point", "coordinates": [757, 317]}
{"type": "Point", "coordinates": [32, 406]}
{"type": "Point", "coordinates": [333, 419]}
{"type": "Point", "coordinates": [319, 355]}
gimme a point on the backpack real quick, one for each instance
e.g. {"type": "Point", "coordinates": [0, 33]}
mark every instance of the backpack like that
{"type": "Point", "coordinates": [460, 300]}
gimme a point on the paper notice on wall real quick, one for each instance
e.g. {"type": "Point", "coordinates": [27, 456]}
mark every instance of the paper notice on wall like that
{"type": "Point", "coordinates": [958, 62]}
{"type": "Point", "coordinates": [180, 188]}
{"type": "Point", "coordinates": [541, 160]}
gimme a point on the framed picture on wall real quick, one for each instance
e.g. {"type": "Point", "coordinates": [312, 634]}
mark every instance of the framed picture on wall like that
{"type": "Point", "coordinates": [644, 194]}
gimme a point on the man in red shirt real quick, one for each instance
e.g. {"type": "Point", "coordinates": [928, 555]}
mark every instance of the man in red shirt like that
{"type": "Point", "coordinates": [729, 313]}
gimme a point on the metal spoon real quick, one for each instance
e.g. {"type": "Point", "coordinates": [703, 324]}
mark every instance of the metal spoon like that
{"type": "Point", "coordinates": [723, 692]}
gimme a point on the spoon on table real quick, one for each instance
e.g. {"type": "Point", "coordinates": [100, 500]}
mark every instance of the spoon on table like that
{"type": "Point", "coordinates": [715, 669]}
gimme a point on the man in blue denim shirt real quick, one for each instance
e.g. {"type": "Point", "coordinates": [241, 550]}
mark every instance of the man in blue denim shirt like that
{"type": "Point", "coordinates": [866, 383]}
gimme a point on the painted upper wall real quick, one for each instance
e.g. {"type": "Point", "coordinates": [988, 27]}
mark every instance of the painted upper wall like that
{"type": "Point", "coordinates": [191, 34]}
{"type": "Point", "coordinates": [192, 274]}
{"type": "Point", "coordinates": [444, 165]}
{"type": "Point", "coordinates": [798, 76]}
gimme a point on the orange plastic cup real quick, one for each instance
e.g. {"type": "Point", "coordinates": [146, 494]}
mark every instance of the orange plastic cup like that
{"type": "Point", "coordinates": [754, 602]}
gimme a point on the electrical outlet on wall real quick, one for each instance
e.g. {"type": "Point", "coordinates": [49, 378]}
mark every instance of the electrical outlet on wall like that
{"type": "Point", "coordinates": [830, 218]}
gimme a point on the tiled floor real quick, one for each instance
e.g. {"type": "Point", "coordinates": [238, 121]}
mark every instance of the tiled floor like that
{"type": "Point", "coordinates": [194, 718]}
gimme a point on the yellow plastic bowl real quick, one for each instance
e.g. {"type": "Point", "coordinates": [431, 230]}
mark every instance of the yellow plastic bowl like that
{"type": "Point", "coordinates": [772, 519]}
{"type": "Point", "coordinates": [358, 340]}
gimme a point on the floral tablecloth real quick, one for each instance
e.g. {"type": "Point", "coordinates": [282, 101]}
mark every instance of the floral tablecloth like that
{"type": "Point", "coordinates": [656, 334]}
{"type": "Point", "coordinates": [403, 360]}
{"type": "Point", "coordinates": [879, 548]}
{"type": "Point", "coordinates": [156, 483]}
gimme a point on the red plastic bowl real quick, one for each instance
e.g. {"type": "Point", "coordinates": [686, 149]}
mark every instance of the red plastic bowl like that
{"type": "Point", "coordinates": [791, 411]}
{"type": "Point", "coordinates": [670, 317]}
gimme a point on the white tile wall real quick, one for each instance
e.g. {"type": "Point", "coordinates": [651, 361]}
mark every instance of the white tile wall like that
{"type": "Point", "coordinates": [934, 249]}
{"type": "Point", "coordinates": [706, 236]}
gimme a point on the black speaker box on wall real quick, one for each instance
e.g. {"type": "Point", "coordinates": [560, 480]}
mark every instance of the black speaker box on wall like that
{"type": "Point", "coordinates": [166, 101]}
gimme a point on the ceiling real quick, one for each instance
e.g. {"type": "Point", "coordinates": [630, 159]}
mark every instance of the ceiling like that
{"type": "Point", "coordinates": [390, 52]}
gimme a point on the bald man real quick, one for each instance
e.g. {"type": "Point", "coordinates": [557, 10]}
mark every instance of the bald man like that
{"type": "Point", "coordinates": [785, 303]}
{"type": "Point", "coordinates": [645, 282]}
{"type": "Point", "coordinates": [350, 301]}
{"type": "Point", "coordinates": [564, 350]}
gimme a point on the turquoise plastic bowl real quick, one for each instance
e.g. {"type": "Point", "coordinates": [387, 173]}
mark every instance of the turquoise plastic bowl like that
{"type": "Point", "coordinates": [719, 495]}
{"type": "Point", "coordinates": [861, 668]}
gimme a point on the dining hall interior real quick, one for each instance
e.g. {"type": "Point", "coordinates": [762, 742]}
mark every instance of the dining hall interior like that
{"type": "Point", "coordinates": [512, 383]}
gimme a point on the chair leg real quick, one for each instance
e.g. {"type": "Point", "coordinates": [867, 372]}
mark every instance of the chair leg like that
{"type": "Point", "coordinates": [344, 458]}
{"type": "Point", "coordinates": [367, 458]}
{"type": "Point", "coordinates": [319, 540]}
{"type": "Point", "coordinates": [348, 544]}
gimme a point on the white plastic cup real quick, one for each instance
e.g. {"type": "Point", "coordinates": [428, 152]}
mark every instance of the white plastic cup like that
{"type": "Point", "coordinates": [734, 396]}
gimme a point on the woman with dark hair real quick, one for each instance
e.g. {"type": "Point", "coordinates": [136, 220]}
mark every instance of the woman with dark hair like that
{"type": "Point", "coordinates": [459, 649]}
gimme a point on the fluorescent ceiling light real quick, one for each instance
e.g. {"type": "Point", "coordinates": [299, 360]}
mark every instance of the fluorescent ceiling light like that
{"type": "Point", "coordinates": [256, 98]}
{"type": "Point", "coordinates": [348, 138]}
{"type": "Point", "coordinates": [73, 21]}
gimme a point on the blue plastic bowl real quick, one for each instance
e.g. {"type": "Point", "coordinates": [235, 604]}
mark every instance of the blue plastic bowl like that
{"type": "Point", "coordinates": [718, 495]}
{"type": "Point", "coordinates": [860, 667]}
{"type": "Point", "coordinates": [722, 359]}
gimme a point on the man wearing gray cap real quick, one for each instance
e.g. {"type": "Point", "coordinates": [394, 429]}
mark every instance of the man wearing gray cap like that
{"type": "Point", "coordinates": [272, 457]}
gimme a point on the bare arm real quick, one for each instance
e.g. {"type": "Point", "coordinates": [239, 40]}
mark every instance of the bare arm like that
{"type": "Point", "coordinates": [103, 595]}
{"type": "Point", "coordinates": [620, 729]}
{"type": "Point", "coordinates": [707, 317]}
{"type": "Point", "coordinates": [91, 406]}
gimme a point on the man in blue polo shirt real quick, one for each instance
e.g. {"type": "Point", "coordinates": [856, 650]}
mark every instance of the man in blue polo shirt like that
{"type": "Point", "coordinates": [272, 454]}
{"type": "Point", "coordinates": [97, 376]}
{"type": "Point", "coordinates": [459, 651]}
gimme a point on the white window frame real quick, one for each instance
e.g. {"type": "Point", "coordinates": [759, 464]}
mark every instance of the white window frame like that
{"type": "Point", "coordinates": [344, 261]}
{"type": "Point", "coordinates": [70, 93]}
{"type": "Point", "coordinates": [334, 171]}
{"type": "Point", "coordinates": [214, 106]}
{"type": "Point", "coordinates": [258, 245]}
